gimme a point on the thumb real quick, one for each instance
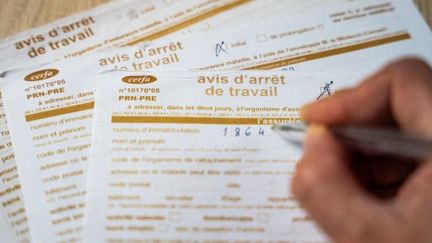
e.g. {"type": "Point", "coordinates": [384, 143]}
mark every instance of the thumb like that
{"type": "Point", "coordinates": [328, 191]}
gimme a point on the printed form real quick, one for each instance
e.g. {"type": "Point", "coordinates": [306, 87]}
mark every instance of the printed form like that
{"type": "Point", "coordinates": [367, 33]}
{"type": "Point", "coordinates": [191, 157]}
{"type": "Point", "coordinates": [52, 108]}
{"type": "Point", "coordinates": [28, 48]}
{"type": "Point", "coordinates": [86, 32]}
{"type": "Point", "coordinates": [11, 198]}
{"type": "Point", "coordinates": [229, 56]}
{"type": "Point", "coordinates": [132, 22]}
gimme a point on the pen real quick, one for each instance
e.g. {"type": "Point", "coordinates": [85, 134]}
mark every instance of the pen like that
{"type": "Point", "coordinates": [377, 140]}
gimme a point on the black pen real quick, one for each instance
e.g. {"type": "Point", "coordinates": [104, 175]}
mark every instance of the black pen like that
{"type": "Point", "coordinates": [377, 140]}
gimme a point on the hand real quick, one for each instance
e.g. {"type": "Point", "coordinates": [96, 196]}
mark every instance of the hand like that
{"type": "Point", "coordinates": [360, 198]}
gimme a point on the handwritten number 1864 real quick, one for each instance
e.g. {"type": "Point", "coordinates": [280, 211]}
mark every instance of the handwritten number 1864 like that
{"type": "Point", "coordinates": [243, 131]}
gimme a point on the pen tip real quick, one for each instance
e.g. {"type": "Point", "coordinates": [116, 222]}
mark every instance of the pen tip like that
{"type": "Point", "coordinates": [295, 127]}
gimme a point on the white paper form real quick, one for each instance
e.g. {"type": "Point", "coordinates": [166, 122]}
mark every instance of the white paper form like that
{"type": "Point", "coordinates": [25, 50]}
{"type": "Point", "coordinates": [191, 157]}
{"type": "Point", "coordinates": [355, 36]}
{"type": "Point", "coordinates": [134, 21]}
{"type": "Point", "coordinates": [128, 21]}
{"type": "Point", "coordinates": [11, 199]}
{"type": "Point", "coordinates": [51, 109]}
{"type": "Point", "coordinates": [73, 35]}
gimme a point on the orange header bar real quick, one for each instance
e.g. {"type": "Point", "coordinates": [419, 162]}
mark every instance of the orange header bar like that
{"type": "Point", "coordinates": [201, 120]}
{"type": "Point", "coordinates": [60, 111]}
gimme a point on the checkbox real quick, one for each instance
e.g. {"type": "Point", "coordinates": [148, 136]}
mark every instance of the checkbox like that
{"type": "Point", "coordinates": [261, 38]}
{"type": "Point", "coordinates": [175, 216]}
{"type": "Point", "coordinates": [263, 217]}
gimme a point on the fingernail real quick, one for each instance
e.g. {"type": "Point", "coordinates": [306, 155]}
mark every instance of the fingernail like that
{"type": "Point", "coordinates": [303, 110]}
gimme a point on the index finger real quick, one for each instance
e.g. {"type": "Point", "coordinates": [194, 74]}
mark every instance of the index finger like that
{"type": "Point", "coordinates": [401, 93]}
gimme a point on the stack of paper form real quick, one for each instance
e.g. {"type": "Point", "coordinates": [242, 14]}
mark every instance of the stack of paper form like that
{"type": "Point", "coordinates": [150, 121]}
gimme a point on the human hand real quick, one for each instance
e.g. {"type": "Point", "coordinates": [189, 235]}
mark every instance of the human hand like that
{"type": "Point", "coordinates": [362, 198]}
